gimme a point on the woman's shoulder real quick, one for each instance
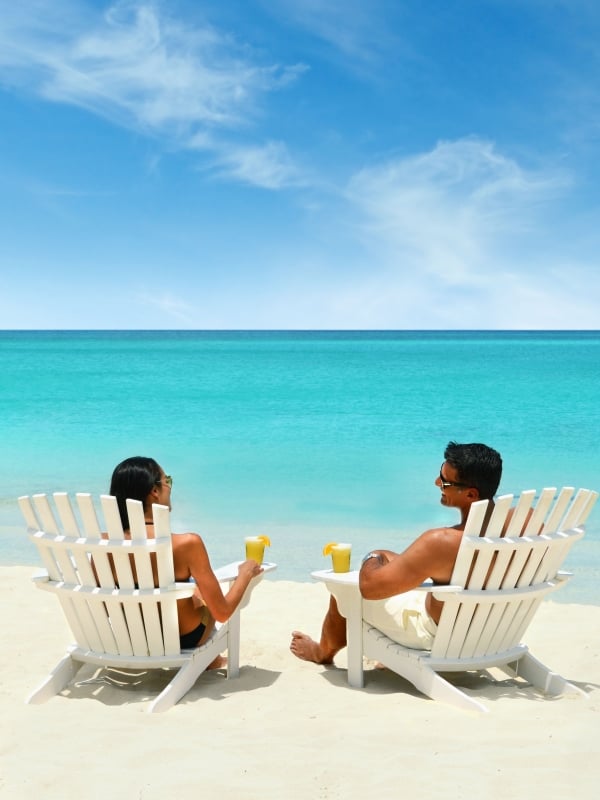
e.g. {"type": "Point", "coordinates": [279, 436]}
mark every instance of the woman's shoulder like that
{"type": "Point", "coordinates": [187, 542]}
{"type": "Point", "coordinates": [189, 537]}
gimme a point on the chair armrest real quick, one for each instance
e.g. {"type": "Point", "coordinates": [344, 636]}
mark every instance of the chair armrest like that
{"type": "Point", "coordinates": [351, 579]}
{"type": "Point", "coordinates": [183, 589]}
{"type": "Point", "coordinates": [40, 576]}
{"type": "Point", "coordinates": [442, 592]}
{"type": "Point", "coordinates": [228, 572]}
{"type": "Point", "coordinates": [342, 578]}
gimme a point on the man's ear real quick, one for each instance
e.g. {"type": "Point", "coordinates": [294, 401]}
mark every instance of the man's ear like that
{"type": "Point", "coordinates": [473, 494]}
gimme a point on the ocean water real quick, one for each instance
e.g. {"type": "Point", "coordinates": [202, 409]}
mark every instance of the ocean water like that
{"type": "Point", "coordinates": [305, 436]}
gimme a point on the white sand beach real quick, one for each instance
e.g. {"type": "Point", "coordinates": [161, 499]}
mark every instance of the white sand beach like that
{"type": "Point", "coordinates": [290, 729]}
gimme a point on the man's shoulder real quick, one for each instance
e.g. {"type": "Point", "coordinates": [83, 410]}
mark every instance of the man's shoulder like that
{"type": "Point", "coordinates": [453, 530]}
{"type": "Point", "coordinates": [441, 536]}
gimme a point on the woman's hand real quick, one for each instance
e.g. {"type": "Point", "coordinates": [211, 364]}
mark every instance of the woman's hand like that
{"type": "Point", "coordinates": [249, 569]}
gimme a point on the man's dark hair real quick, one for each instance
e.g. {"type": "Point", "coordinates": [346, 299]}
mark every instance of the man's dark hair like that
{"type": "Point", "coordinates": [133, 479]}
{"type": "Point", "coordinates": [477, 465]}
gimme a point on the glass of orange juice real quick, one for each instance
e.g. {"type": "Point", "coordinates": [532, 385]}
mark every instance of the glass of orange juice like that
{"type": "Point", "coordinates": [340, 555]}
{"type": "Point", "coordinates": [255, 547]}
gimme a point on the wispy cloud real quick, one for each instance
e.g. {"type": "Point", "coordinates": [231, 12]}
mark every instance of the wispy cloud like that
{"type": "Point", "coordinates": [446, 211]}
{"type": "Point", "coordinates": [141, 68]}
{"type": "Point", "coordinates": [462, 236]}
{"type": "Point", "coordinates": [359, 32]}
{"type": "Point", "coordinates": [269, 166]}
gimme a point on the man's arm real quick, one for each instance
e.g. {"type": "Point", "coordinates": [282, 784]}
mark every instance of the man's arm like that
{"type": "Point", "coordinates": [432, 555]}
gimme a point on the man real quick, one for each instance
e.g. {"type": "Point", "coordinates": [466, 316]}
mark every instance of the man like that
{"type": "Point", "coordinates": [470, 472]}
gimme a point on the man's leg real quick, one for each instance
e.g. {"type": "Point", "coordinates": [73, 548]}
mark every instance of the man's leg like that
{"type": "Point", "coordinates": [333, 638]}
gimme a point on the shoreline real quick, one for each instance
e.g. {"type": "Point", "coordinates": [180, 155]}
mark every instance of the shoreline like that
{"type": "Point", "coordinates": [245, 736]}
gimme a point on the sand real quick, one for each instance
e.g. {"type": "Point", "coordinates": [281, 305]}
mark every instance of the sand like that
{"type": "Point", "coordinates": [290, 729]}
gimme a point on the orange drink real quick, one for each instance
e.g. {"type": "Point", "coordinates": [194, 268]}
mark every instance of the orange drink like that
{"type": "Point", "coordinates": [255, 547]}
{"type": "Point", "coordinates": [340, 555]}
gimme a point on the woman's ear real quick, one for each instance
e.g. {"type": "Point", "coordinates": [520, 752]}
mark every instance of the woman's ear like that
{"type": "Point", "coordinates": [153, 495]}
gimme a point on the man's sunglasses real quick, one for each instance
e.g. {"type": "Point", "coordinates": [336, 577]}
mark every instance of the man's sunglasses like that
{"type": "Point", "coordinates": [445, 484]}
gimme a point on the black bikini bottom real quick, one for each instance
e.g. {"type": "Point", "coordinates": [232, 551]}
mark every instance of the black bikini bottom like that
{"type": "Point", "coordinates": [187, 641]}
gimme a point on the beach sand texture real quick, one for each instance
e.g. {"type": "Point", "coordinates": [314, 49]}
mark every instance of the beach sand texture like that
{"type": "Point", "coordinates": [289, 729]}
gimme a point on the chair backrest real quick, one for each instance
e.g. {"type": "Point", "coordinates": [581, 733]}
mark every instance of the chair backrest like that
{"type": "Point", "coordinates": [506, 569]}
{"type": "Point", "coordinates": [116, 591]}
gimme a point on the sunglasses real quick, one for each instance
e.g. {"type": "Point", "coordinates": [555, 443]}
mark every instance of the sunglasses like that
{"type": "Point", "coordinates": [168, 481]}
{"type": "Point", "coordinates": [445, 484]}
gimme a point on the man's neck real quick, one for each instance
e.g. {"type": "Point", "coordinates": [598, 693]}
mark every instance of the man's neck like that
{"type": "Point", "coordinates": [464, 514]}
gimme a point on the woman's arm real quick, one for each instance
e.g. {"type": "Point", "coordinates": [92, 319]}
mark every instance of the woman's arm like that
{"type": "Point", "coordinates": [191, 551]}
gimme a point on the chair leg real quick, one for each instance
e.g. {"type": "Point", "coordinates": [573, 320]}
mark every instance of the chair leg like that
{"type": "Point", "coordinates": [409, 665]}
{"type": "Point", "coordinates": [233, 645]}
{"type": "Point", "coordinates": [427, 681]}
{"type": "Point", "coordinates": [182, 682]}
{"type": "Point", "coordinates": [542, 678]}
{"type": "Point", "coordinates": [434, 686]}
{"type": "Point", "coordinates": [189, 673]}
{"type": "Point", "coordinates": [61, 675]}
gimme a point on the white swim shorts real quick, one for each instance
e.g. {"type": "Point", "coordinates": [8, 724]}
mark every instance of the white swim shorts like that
{"type": "Point", "coordinates": [403, 618]}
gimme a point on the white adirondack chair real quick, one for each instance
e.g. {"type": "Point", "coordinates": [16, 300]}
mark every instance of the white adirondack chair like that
{"type": "Point", "coordinates": [496, 587]}
{"type": "Point", "coordinates": [124, 623]}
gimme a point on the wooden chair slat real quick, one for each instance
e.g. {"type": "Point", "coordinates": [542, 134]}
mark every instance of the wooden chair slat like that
{"type": "Point", "coordinates": [502, 506]}
{"type": "Point", "coordinates": [28, 513]}
{"type": "Point", "coordinates": [578, 512]}
{"type": "Point", "coordinates": [65, 513]}
{"type": "Point", "coordinates": [562, 501]}
{"type": "Point", "coordinates": [91, 527]}
{"type": "Point", "coordinates": [520, 513]}
{"type": "Point", "coordinates": [536, 522]}
{"type": "Point", "coordinates": [142, 559]}
{"type": "Point", "coordinates": [44, 512]}
{"type": "Point", "coordinates": [122, 563]}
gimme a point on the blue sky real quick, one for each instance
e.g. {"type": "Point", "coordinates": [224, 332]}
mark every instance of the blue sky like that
{"type": "Point", "coordinates": [300, 164]}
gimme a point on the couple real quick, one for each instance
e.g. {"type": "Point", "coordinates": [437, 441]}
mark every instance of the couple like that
{"type": "Point", "coordinates": [470, 472]}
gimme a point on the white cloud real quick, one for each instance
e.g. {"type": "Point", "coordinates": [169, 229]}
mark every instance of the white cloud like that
{"type": "Point", "coordinates": [461, 236]}
{"type": "Point", "coordinates": [269, 166]}
{"type": "Point", "coordinates": [142, 69]}
{"type": "Point", "coordinates": [449, 211]}
{"type": "Point", "coordinates": [464, 236]}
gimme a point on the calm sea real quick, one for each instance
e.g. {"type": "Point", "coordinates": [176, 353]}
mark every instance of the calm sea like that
{"type": "Point", "coordinates": [305, 436]}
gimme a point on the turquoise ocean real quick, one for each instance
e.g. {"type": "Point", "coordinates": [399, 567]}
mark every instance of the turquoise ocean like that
{"type": "Point", "coordinates": [307, 437]}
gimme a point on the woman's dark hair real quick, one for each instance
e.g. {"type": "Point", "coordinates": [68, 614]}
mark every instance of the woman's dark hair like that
{"type": "Point", "coordinates": [133, 479]}
{"type": "Point", "coordinates": [477, 465]}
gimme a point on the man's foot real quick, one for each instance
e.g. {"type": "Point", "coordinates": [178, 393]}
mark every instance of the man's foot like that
{"type": "Point", "coordinates": [307, 649]}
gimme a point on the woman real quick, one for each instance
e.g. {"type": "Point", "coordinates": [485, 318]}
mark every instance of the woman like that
{"type": "Point", "coordinates": [140, 478]}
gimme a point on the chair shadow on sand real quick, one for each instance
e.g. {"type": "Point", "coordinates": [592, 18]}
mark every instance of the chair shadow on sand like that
{"type": "Point", "coordinates": [119, 687]}
{"type": "Point", "coordinates": [482, 684]}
